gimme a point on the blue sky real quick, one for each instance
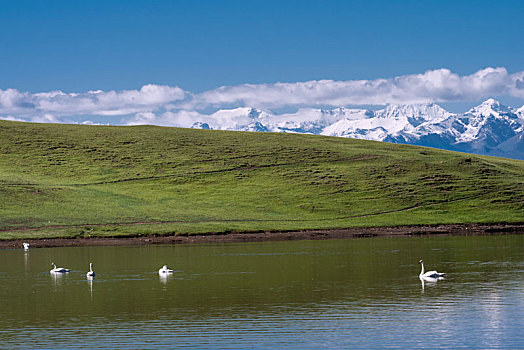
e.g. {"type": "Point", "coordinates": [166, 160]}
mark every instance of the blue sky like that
{"type": "Point", "coordinates": [198, 46]}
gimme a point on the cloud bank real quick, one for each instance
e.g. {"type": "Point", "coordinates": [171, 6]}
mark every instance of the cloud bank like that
{"type": "Point", "coordinates": [174, 106]}
{"type": "Point", "coordinates": [432, 86]}
{"type": "Point", "coordinates": [57, 103]}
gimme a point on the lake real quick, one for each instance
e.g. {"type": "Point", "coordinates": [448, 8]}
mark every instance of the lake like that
{"type": "Point", "coordinates": [335, 294]}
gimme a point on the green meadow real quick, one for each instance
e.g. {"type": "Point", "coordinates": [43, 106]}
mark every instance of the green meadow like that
{"type": "Point", "coordinates": [81, 181]}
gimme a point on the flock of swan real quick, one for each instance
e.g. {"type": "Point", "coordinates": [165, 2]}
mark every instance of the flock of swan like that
{"type": "Point", "coordinates": [163, 271]}
{"type": "Point", "coordinates": [429, 276]}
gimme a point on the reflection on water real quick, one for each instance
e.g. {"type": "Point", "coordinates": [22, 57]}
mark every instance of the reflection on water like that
{"type": "Point", "coordinates": [164, 278]}
{"type": "Point", "coordinates": [310, 294]}
{"type": "Point", "coordinates": [57, 279]}
{"type": "Point", "coordinates": [428, 279]}
{"type": "Point", "coordinates": [26, 260]}
{"type": "Point", "coordinates": [90, 285]}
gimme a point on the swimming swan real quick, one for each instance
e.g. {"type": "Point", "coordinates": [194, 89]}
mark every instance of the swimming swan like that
{"type": "Point", "coordinates": [164, 270]}
{"type": "Point", "coordinates": [26, 246]}
{"type": "Point", "coordinates": [430, 275]}
{"type": "Point", "coordinates": [58, 269]}
{"type": "Point", "coordinates": [91, 273]}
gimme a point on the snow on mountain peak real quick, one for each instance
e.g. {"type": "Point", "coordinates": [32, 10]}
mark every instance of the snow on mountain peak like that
{"type": "Point", "coordinates": [490, 107]}
{"type": "Point", "coordinates": [232, 119]}
{"type": "Point", "coordinates": [489, 124]}
{"type": "Point", "coordinates": [421, 111]}
{"type": "Point", "coordinates": [520, 112]}
{"type": "Point", "coordinates": [491, 102]}
{"type": "Point", "coordinates": [489, 128]}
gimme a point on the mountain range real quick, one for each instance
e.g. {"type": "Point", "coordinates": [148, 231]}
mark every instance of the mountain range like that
{"type": "Point", "coordinates": [489, 128]}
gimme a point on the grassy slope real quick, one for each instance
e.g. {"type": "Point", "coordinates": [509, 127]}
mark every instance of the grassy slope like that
{"type": "Point", "coordinates": [215, 181]}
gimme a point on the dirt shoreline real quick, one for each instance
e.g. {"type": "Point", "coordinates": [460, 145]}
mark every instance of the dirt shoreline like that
{"type": "Point", "coordinates": [400, 231]}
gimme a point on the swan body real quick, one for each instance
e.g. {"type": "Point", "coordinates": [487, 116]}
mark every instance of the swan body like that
{"type": "Point", "coordinates": [58, 269]}
{"type": "Point", "coordinates": [430, 275]}
{"type": "Point", "coordinates": [91, 273]}
{"type": "Point", "coordinates": [165, 270]}
{"type": "Point", "coordinates": [26, 246]}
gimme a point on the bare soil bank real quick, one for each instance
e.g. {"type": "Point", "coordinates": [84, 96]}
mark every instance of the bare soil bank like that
{"type": "Point", "coordinates": [400, 231]}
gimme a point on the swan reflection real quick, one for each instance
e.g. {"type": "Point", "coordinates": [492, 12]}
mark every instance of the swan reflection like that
{"type": "Point", "coordinates": [164, 278]}
{"type": "Point", "coordinates": [431, 280]}
{"type": "Point", "coordinates": [57, 279]}
{"type": "Point", "coordinates": [90, 285]}
{"type": "Point", "coordinates": [26, 260]}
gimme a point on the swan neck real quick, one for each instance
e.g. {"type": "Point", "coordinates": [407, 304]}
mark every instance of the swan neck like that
{"type": "Point", "coordinates": [422, 268]}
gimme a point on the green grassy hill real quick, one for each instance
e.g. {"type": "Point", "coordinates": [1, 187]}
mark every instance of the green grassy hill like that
{"type": "Point", "coordinates": [76, 180]}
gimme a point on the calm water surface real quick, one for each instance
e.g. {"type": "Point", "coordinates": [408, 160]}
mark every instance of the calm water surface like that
{"type": "Point", "coordinates": [355, 293]}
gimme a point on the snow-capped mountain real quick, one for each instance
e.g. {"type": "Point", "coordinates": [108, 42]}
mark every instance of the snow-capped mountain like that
{"type": "Point", "coordinates": [489, 128]}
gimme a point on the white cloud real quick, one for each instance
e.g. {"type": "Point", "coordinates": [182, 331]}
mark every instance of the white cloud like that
{"type": "Point", "coordinates": [148, 98]}
{"type": "Point", "coordinates": [439, 85]}
{"type": "Point", "coordinates": [166, 105]}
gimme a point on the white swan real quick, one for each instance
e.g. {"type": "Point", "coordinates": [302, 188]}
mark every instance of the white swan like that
{"type": "Point", "coordinates": [91, 273]}
{"type": "Point", "coordinates": [430, 275]}
{"type": "Point", "coordinates": [26, 246]}
{"type": "Point", "coordinates": [165, 270]}
{"type": "Point", "coordinates": [58, 269]}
